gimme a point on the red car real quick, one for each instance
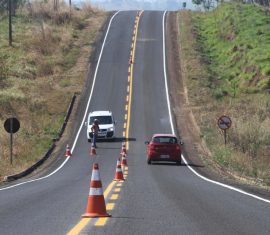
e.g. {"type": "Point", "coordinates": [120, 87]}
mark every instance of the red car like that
{"type": "Point", "coordinates": [163, 147]}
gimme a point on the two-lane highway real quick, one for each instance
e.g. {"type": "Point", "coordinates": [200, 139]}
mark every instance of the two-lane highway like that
{"type": "Point", "coordinates": [155, 199]}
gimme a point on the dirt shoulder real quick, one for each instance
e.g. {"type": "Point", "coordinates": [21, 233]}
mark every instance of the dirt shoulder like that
{"type": "Point", "coordinates": [195, 150]}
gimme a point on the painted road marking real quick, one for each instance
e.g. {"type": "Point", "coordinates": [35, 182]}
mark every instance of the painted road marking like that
{"type": "Point", "coordinates": [101, 221]}
{"type": "Point", "coordinates": [83, 222]}
{"type": "Point", "coordinates": [117, 190]}
{"type": "Point", "coordinates": [84, 117]}
{"type": "Point", "coordinates": [114, 196]}
{"type": "Point", "coordinates": [79, 226]}
{"type": "Point", "coordinates": [110, 206]}
{"type": "Point", "coordinates": [173, 130]}
{"type": "Point", "coordinates": [131, 79]}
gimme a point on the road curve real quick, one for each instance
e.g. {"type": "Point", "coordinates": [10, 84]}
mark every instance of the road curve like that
{"type": "Point", "coordinates": [155, 199]}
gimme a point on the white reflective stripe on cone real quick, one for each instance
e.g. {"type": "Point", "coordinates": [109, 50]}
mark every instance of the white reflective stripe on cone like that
{"type": "Point", "coordinates": [118, 170]}
{"type": "Point", "coordinates": [95, 191]}
{"type": "Point", "coordinates": [95, 175]}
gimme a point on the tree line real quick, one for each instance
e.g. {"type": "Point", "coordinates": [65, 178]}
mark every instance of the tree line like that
{"type": "Point", "coordinates": [210, 4]}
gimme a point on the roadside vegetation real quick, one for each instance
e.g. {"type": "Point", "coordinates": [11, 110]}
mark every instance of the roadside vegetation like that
{"type": "Point", "coordinates": [225, 59]}
{"type": "Point", "coordinates": [39, 74]}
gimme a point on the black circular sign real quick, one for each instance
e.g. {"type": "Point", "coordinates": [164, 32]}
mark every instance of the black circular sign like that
{"type": "Point", "coordinates": [224, 122]}
{"type": "Point", "coordinates": [12, 125]}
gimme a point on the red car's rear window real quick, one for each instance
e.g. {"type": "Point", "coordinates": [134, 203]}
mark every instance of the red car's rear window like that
{"type": "Point", "coordinates": [165, 140]}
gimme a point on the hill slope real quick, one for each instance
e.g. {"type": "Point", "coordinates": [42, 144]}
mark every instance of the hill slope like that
{"type": "Point", "coordinates": [225, 64]}
{"type": "Point", "coordinates": [39, 74]}
{"type": "Point", "coordinates": [235, 41]}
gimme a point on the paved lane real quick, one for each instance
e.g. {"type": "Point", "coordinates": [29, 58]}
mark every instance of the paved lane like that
{"type": "Point", "coordinates": [54, 205]}
{"type": "Point", "coordinates": [165, 198]}
{"type": "Point", "coordinates": [155, 199]}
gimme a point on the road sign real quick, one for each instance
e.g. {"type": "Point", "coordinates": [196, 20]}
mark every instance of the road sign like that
{"type": "Point", "coordinates": [224, 122]}
{"type": "Point", "coordinates": [12, 125]}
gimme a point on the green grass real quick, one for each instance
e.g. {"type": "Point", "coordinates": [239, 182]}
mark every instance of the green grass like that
{"type": "Point", "coordinates": [234, 39]}
{"type": "Point", "coordinates": [225, 66]}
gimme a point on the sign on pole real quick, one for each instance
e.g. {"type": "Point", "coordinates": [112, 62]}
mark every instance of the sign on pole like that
{"type": "Point", "coordinates": [11, 125]}
{"type": "Point", "coordinates": [224, 123]}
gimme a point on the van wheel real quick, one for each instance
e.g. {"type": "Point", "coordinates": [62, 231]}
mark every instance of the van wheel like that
{"type": "Point", "coordinates": [179, 163]}
{"type": "Point", "coordinates": [89, 140]}
{"type": "Point", "coordinates": [149, 162]}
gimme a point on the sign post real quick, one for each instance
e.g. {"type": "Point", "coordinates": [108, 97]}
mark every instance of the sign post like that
{"type": "Point", "coordinates": [224, 123]}
{"type": "Point", "coordinates": [11, 125]}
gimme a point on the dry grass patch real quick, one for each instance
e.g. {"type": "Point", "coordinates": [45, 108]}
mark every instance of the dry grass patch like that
{"type": "Point", "coordinates": [248, 150]}
{"type": "Point", "coordinates": [43, 72]}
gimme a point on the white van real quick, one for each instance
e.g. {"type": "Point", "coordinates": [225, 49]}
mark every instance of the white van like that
{"type": "Point", "coordinates": [106, 124]}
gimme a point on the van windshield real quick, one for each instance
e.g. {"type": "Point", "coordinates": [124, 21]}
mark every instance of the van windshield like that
{"type": "Point", "coordinates": [103, 120]}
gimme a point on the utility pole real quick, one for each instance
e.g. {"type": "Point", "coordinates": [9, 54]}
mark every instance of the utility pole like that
{"type": "Point", "coordinates": [70, 8]}
{"type": "Point", "coordinates": [10, 22]}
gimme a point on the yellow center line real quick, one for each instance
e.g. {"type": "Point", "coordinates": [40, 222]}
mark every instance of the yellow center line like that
{"type": "Point", "coordinates": [110, 206]}
{"type": "Point", "coordinates": [102, 221]}
{"type": "Point", "coordinates": [131, 78]}
{"type": "Point", "coordinates": [117, 190]}
{"type": "Point", "coordinates": [83, 222]}
{"type": "Point", "coordinates": [114, 197]}
{"type": "Point", "coordinates": [79, 226]}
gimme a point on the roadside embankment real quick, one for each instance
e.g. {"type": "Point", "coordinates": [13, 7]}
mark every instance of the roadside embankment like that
{"type": "Point", "coordinates": [225, 67]}
{"type": "Point", "coordinates": [46, 64]}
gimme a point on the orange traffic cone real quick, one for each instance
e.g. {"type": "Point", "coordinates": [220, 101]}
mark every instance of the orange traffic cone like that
{"type": "Point", "coordinates": [118, 174]}
{"type": "Point", "coordinates": [123, 150]}
{"type": "Point", "coordinates": [124, 160]}
{"type": "Point", "coordinates": [68, 152]}
{"type": "Point", "coordinates": [96, 203]}
{"type": "Point", "coordinates": [130, 60]}
{"type": "Point", "coordinates": [93, 151]}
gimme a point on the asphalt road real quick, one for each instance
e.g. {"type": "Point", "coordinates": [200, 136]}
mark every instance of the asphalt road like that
{"type": "Point", "coordinates": [154, 199]}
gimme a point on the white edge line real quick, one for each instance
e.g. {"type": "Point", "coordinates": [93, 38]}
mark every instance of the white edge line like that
{"type": "Point", "coordinates": [165, 73]}
{"type": "Point", "coordinates": [173, 130]}
{"type": "Point", "coordinates": [79, 131]}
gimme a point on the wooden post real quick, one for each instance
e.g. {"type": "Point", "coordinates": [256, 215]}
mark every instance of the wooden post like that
{"type": "Point", "coordinates": [9, 21]}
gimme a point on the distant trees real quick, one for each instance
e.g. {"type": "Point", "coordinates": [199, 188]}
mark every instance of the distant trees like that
{"type": "Point", "coordinates": [260, 2]}
{"type": "Point", "coordinates": [14, 3]}
{"type": "Point", "coordinates": [209, 4]}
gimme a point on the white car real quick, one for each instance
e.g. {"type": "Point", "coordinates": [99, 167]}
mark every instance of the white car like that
{"type": "Point", "coordinates": [106, 124]}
